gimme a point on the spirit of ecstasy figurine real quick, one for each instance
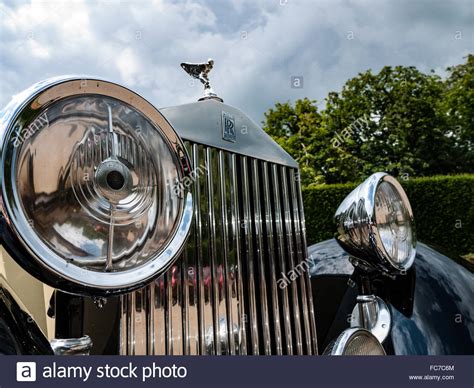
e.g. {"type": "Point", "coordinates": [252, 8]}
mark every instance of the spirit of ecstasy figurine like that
{"type": "Point", "coordinates": [201, 71]}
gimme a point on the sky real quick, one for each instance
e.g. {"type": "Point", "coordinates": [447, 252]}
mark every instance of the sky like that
{"type": "Point", "coordinates": [258, 46]}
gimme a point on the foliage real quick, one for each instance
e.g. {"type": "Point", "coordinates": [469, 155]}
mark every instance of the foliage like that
{"type": "Point", "coordinates": [320, 204]}
{"type": "Point", "coordinates": [400, 121]}
{"type": "Point", "coordinates": [402, 132]}
{"type": "Point", "coordinates": [298, 130]}
{"type": "Point", "coordinates": [443, 208]}
{"type": "Point", "coordinates": [458, 105]}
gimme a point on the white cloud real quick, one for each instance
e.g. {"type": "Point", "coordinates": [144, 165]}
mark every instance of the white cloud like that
{"type": "Point", "coordinates": [128, 66]}
{"type": "Point", "coordinates": [37, 50]}
{"type": "Point", "coordinates": [257, 45]}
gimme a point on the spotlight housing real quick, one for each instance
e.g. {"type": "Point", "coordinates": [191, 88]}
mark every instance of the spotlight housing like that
{"type": "Point", "coordinates": [375, 225]}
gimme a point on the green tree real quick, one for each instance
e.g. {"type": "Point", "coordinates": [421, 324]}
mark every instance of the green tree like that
{"type": "Point", "coordinates": [458, 106]}
{"type": "Point", "coordinates": [298, 130]}
{"type": "Point", "coordinates": [399, 120]}
{"type": "Point", "coordinates": [389, 121]}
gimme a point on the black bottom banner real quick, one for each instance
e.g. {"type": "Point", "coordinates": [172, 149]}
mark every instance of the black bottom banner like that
{"type": "Point", "coordinates": [96, 371]}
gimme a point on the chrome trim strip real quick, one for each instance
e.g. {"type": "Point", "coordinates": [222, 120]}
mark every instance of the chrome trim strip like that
{"type": "Point", "coordinates": [248, 249]}
{"type": "Point", "coordinates": [272, 258]}
{"type": "Point", "coordinates": [282, 262]}
{"type": "Point", "coordinates": [260, 252]}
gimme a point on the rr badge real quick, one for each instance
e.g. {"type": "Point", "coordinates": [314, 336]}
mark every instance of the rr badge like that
{"type": "Point", "coordinates": [228, 127]}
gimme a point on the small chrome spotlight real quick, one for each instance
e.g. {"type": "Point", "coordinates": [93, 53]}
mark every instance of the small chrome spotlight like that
{"type": "Point", "coordinates": [355, 342]}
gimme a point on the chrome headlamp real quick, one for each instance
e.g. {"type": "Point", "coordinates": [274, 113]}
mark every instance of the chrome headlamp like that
{"type": "Point", "coordinates": [375, 224]}
{"type": "Point", "coordinates": [355, 342]}
{"type": "Point", "coordinates": [89, 171]}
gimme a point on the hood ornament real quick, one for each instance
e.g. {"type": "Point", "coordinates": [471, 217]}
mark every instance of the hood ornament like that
{"type": "Point", "coordinates": [201, 71]}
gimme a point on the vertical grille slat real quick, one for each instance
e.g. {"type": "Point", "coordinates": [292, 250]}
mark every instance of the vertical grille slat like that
{"type": "Point", "coordinates": [151, 345]}
{"type": "Point", "coordinates": [131, 324]}
{"type": "Point", "coordinates": [226, 293]}
{"type": "Point", "coordinates": [303, 266]}
{"type": "Point", "coordinates": [238, 299]}
{"type": "Point", "coordinates": [205, 270]}
{"type": "Point", "coordinates": [291, 261]}
{"type": "Point", "coordinates": [175, 311]}
{"type": "Point", "coordinates": [217, 254]}
{"type": "Point", "coordinates": [272, 260]}
{"type": "Point", "coordinates": [246, 223]}
{"type": "Point", "coordinates": [190, 286]}
{"type": "Point", "coordinates": [139, 322]}
{"type": "Point", "coordinates": [212, 249]}
{"type": "Point", "coordinates": [198, 270]}
{"type": "Point", "coordinates": [191, 316]}
{"type": "Point", "coordinates": [279, 236]}
{"type": "Point", "coordinates": [124, 330]}
{"type": "Point", "coordinates": [150, 324]}
{"type": "Point", "coordinates": [312, 321]}
{"type": "Point", "coordinates": [260, 258]}
{"type": "Point", "coordinates": [158, 314]}
{"type": "Point", "coordinates": [229, 252]}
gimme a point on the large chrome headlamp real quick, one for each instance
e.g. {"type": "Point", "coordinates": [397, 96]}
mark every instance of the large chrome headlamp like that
{"type": "Point", "coordinates": [375, 224]}
{"type": "Point", "coordinates": [89, 172]}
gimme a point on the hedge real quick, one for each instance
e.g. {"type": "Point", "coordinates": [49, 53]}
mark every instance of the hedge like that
{"type": "Point", "coordinates": [443, 207]}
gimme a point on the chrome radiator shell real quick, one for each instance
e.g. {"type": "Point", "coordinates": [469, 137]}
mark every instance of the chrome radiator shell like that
{"type": "Point", "coordinates": [223, 294]}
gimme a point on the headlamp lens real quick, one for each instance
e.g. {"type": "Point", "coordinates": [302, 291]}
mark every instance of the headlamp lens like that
{"type": "Point", "coordinates": [394, 223]}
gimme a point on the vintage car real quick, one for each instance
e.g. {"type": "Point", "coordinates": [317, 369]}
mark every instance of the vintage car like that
{"type": "Point", "coordinates": [127, 229]}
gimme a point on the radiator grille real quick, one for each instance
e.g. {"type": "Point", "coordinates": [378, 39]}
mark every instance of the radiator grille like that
{"type": "Point", "coordinates": [225, 294]}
